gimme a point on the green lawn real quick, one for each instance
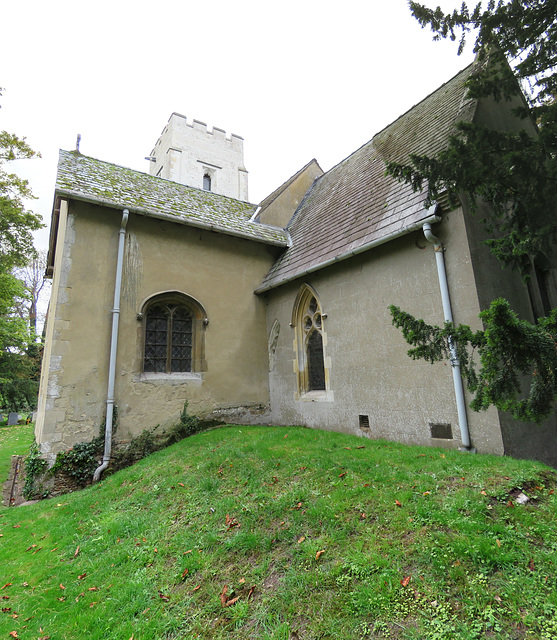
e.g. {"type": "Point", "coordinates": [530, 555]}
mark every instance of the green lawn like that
{"type": "Point", "coordinates": [288, 533]}
{"type": "Point", "coordinates": [14, 441]}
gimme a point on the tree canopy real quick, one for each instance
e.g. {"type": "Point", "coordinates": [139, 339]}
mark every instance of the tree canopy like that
{"type": "Point", "coordinates": [18, 365]}
{"type": "Point", "coordinates": [515, 173]}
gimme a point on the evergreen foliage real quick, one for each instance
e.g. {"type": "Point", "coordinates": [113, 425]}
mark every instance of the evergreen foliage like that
{"type": "Point", "coordinates": [515, 173]}
{"type": "Point", "coordinates": [510, 364]}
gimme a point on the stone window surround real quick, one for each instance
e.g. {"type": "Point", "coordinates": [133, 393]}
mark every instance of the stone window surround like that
{"type": "Point", "coordinates": [200, 322]}
{"type": "Point", "coordinates": [302, 393]}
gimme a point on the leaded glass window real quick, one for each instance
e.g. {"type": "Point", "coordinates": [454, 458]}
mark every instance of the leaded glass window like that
{"type": "Point", "coordinates": [311, 326]}
{"type": "Point", "coordinates": [168, 338]}
{"type": "Point", "coordinates": [316, 364]}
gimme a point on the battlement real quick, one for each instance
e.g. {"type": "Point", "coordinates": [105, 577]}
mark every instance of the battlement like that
{"type": "Point", "coordinates": [190, 152]}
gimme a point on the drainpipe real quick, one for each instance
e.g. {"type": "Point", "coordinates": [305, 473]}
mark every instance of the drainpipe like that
{"type": "Point", "coordinates": [113, 350]}
{"type": "Point", "coordinates": [447, 311]}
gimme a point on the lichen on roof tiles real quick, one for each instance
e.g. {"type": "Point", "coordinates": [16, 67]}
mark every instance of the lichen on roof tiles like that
{"type": "Point", "coordinates": [85, 178]}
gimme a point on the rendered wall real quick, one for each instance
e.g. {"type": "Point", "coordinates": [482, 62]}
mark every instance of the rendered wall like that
{"type": "Point", "coordinates": [279, 209]}
{"type": "Point", "coordinates": [521, 440]}
{"type": "Point", "coordinates": [218, 271]}
{"type": "Point", "coordinates": [369, 371]}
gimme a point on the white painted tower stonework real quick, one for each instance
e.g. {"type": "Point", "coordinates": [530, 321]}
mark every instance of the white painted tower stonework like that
{"type": "Point", "coordinates": [190, 154]}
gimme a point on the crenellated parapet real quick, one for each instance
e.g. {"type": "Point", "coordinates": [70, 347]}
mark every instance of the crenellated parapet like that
{"type": "Point", "coordinates": [191, 153]}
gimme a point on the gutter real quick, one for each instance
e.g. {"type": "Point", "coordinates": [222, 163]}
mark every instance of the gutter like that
{"type": "Point", "coordinates": [353, 252]}
{"type": "Point", "coordinates": [113, 350]}
{"type": "Point", "coordinates": [447, 312]}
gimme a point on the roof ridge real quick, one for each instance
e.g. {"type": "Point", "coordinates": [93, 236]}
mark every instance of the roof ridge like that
{"type": "Point", "coordinates": [375, 135]}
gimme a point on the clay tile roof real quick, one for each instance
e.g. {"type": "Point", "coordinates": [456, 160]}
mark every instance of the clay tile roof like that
{"type": "Point", "coordinates": [355, 205]}
{"type": "Point", "coordinates": [90, 180]}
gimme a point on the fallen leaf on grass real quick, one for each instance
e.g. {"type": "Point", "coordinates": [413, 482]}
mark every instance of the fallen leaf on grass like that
{"type": "Point", "coordinates": [341, 475]}
{"type": "Point", "coordinates": [250, 592]}
{"type": "Point", "coordinates": [531, 565]}
{"type": "Point", "coordinates": [185, 573]}
{"type": "Point", "coordinates": [405, 581]}
{"type": "Point", "coordinates": [83, 575]}
{"type": "Point", "coordinates": [229, 603]}
{"type": "Point", "coordinates": [319, 554]}
{"type": "Point", "coordinates": [241, 580]}
{"type": "Point", "coordinates": [398, 504]}
{"type": "Point", "coordinates": [300, 540]}
{"type": "Point", "coordinates": [196, 588]}
{"type": "Point", "coordinates": [93, 589]}
{"type": "Point", "coordinates": [62, 586]}
{"type": "Point", "coordinates": [163, 597]}
{"type": "Point", "coordinates": [223, 595]}
{"type": "Point", "coordinates": [31, 547]}
{"type": "Point", "coordinates": [181, 484]}
{"type": "Point", "coordinates": [498, 542]}
{"type": "Point", "coordinates": [231, 522]}
{"type": "Point", "coordinates": [8, 584]}
{"type": "Point", "coordinates": [13, 634]}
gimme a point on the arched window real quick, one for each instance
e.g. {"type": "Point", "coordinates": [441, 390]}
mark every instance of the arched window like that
{"type": "Point", "coordinates": [308, 321]}
{"type": "Point", "coordinates": [174, 334]}
{"type": "Point", "coordinates": [207, 182]}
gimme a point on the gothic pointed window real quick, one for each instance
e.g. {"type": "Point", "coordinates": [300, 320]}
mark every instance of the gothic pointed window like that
{"type": "Point", "coordinates": [174, 326]}
{"type": "Point", "coordinates": [308, 320]}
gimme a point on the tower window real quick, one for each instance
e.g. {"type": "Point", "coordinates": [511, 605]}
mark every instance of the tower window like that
{"type": "Point", "coordinates": [207, 182]}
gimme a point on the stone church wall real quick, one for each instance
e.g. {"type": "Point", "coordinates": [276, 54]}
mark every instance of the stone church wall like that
{"type": "Point", "coordinates": [220, 272]}
{"type": "Point", "coordinates": [371, 378]}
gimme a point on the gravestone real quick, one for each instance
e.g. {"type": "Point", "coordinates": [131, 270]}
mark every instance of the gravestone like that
{"type": "Point", "coordinates": [13, 419]}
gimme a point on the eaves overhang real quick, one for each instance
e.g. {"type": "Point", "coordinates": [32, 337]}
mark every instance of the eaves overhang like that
{"type": "Point", "coordinates": [273, 236]}
{"type": "Point", "coordinates": [431, 218]}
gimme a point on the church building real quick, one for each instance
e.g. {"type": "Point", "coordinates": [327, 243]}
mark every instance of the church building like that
{"type": "Point", "coordinates": [170, 286]}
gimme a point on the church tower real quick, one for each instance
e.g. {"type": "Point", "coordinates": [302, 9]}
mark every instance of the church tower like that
{"type": "Point", "coordinates": [192, 155]}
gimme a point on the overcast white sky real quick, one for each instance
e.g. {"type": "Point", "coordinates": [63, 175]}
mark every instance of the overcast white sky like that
{"type": "Point", "coordinates": [296, 79]}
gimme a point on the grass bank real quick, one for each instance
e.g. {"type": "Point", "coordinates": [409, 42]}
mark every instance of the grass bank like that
{"type": "Point", "coordinates": [290, 534]}
{"type": "Point", "coordinates": [14, 441]}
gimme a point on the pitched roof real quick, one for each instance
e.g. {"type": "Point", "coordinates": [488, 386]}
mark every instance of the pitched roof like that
{"type": "Point", "coordinates": [83, 178]}
{"type": "Point", "coordinates": [277, 192]}
{"type": "Point", "coordinates": [355, 206]}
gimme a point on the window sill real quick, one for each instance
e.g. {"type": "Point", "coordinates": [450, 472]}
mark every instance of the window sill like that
{"type": "Point", "coordinates": [316, 396]}
{"type": "Point", "coordinates": [169, 378]}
